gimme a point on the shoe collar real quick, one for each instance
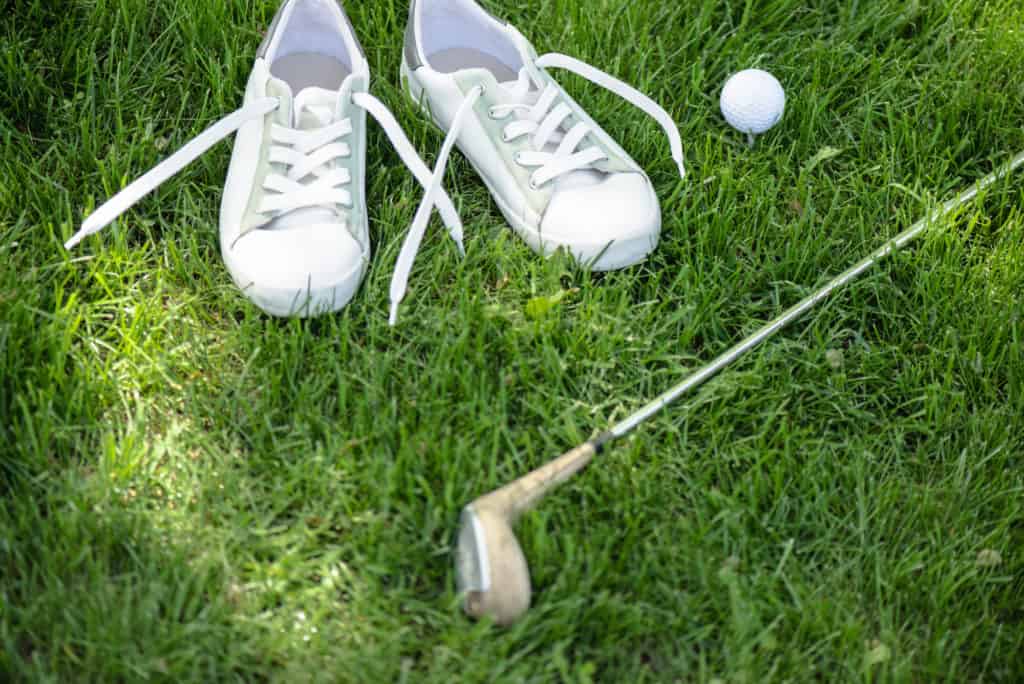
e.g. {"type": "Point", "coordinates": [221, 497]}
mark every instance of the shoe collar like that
{"type": "Point", "coordinates": [323, 10]}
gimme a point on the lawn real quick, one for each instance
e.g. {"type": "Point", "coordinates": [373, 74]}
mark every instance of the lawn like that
{"type": "Point", "coordinates": [192, 491]}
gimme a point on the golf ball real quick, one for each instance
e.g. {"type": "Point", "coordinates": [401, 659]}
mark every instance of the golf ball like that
{"type": "Point", "coordinates": [753, 101]}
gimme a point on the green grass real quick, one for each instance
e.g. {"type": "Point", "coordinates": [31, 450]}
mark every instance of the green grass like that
{"type": "Point", "coordinates": [192, 491]}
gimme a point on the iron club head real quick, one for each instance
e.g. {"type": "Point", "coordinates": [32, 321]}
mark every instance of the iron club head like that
{"type": "Point", "coordinates": [490, 568]}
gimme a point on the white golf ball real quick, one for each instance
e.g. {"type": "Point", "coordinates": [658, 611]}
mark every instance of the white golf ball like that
{"type": "Point", "coordinates": [753, 101]}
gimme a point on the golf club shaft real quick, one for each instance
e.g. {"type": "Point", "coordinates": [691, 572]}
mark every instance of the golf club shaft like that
{"type": "Point", "coordinates": [521, 495]}
{"type": "Point", "coordinates": [768, 331]}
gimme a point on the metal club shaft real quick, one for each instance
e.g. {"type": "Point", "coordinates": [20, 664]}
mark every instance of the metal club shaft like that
{"type": "Point", "coordinates": [709, 371]}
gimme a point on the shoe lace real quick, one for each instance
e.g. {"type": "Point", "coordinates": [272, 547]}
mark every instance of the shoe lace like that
{"type": "Point", "coordinates": [309, 156]}
{"type": "Point", "coordinates": [545, 120]}
{"type": "Point", "coordinates": [310, 179]}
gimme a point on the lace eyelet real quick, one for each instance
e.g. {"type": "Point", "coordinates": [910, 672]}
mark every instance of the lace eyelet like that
{"type": "Point", "coordinates": [490, 113]}
{"type": "Point", "coordinates": [505, 137]}
{"type": "Point", "coordinates": [533, 185]}
{"type": "Point", "coordinates": [518, 158]}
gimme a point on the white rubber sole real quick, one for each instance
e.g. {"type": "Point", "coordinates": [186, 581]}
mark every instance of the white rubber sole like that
{"type": "Point", "coordinates": [604, 256]}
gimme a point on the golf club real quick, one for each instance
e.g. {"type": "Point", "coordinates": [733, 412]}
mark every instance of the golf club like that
{"type": "Point", "coordinates": [491, 570]}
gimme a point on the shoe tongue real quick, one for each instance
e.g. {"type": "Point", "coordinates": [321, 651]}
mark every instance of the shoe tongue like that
{"type": "Point", "coordinates": [314, 108]}
{"type": "Point", "coordinates": [523, 87]}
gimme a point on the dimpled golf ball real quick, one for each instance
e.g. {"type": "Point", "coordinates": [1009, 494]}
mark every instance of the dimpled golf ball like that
{"type": "Point", "coordinates": [753, 101]}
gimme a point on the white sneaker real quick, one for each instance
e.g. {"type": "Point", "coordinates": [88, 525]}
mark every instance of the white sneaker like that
{"type": "Point", "coordinates": [293, 226]}
{"type": "Point", "coordinates": [559, 179]}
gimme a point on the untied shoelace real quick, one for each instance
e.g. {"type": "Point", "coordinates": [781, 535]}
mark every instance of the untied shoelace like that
{"type": "Point", "coordinates": [545, 117]}
{"type": "Point", "coordinates": [307, 153]}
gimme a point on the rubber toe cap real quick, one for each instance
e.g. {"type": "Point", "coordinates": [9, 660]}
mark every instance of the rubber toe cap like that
{"type": "Point", "coordinates": [608, 225]}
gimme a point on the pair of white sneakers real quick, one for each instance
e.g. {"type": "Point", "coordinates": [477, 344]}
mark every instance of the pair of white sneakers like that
{"type": "Point", "coordinates": [294, 227]}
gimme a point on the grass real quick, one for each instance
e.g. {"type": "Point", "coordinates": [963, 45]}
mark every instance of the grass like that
{"type": "Point", "coordinates": [195, 492]}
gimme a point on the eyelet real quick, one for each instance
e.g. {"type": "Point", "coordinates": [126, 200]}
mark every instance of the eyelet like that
{"type": "Point", "coordinates": [505, 137]}
{"type": "Point", "coordinates": [490, 113]}
{"type": "Point", "coordinates": [533, 185]}
{"type": "Point", "coordinates": [518, 158]}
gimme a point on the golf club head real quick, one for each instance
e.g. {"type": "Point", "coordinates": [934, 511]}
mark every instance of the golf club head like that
{"type": "Point", "coordinates": [490, 568]}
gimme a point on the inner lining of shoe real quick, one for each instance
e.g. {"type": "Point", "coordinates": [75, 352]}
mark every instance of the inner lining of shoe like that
{"type": "Point", "coordinates": [455, 59]}
{"type": "Point", "coordinates": [301, 70]}
{"type": "Point", "coordinates": [458, 34]}
{"type": "Point", "coordinates": [313, 27]}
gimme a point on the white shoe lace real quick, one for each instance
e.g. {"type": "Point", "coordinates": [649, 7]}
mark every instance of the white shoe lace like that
{"type": "Point", "coordinates": [307, 154]}
{"type": "Point", "coordinates": [544, 119]}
